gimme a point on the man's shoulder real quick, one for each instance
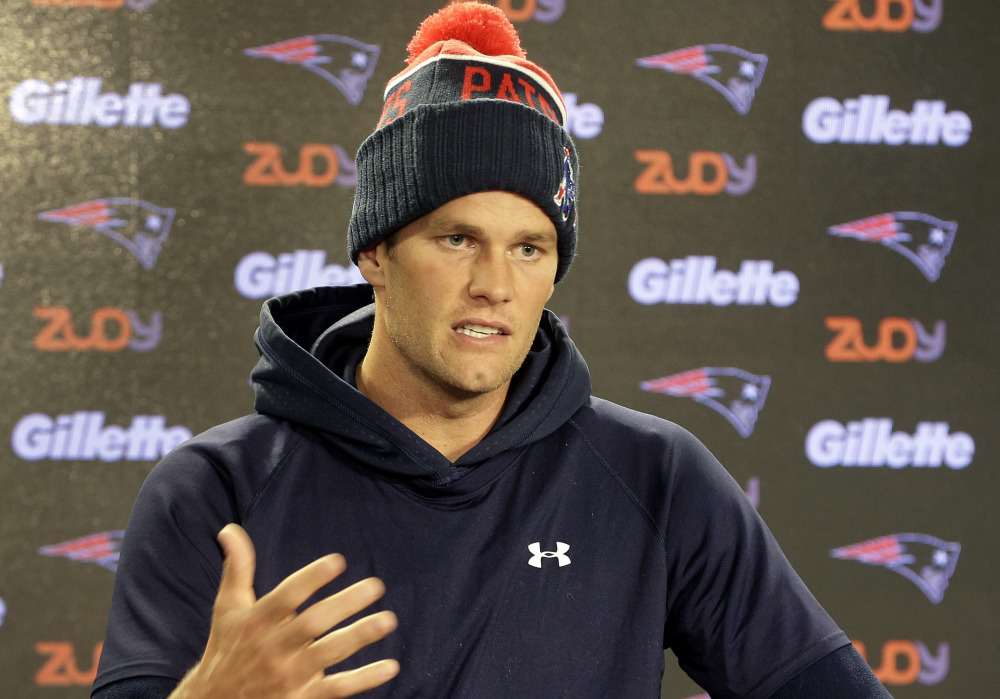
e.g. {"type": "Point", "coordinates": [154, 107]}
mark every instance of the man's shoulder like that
{"type": "Point", "coordinates": [603, 419]}
{"type": "Point", "coordinates": [239, 431]}
{"type": "Point", "coordinates": [244, 449]}
{"type": "Point", "coordinates": [646, 451]}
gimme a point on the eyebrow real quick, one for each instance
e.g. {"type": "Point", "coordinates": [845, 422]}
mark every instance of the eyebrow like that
{"type": "Point", "coordinates": [448, 225]}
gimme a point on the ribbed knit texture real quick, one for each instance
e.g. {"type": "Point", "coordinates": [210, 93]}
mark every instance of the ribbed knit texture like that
{"type": "Point", "coordinates": [439, 152]}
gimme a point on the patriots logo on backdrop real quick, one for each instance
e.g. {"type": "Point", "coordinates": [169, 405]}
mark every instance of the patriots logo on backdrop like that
{"type": "Point", "coordinates": [730, 70]}
{"type": "Point", "coordinates": [102, 549]}
{"type": "Point", "coordinates": [735, 394]}
{"type": "Point", "coordinates": [923, 240]}
{"type": "Point", "coordinates": [344, 62]}
{"type": "Point", "coordinates": [138, 226]}
{"type": "Point", "coordinates": [926, 561]}
{"type": "Point", "coordinates": [566, 196]}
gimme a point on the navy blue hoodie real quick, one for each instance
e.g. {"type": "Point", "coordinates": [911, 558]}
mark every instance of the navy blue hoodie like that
{"type": "Point", "coordinates": [558, 557]}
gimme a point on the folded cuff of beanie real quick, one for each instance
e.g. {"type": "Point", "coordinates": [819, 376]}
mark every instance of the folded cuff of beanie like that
{"type": "Point", "coordinates": [440, 152]}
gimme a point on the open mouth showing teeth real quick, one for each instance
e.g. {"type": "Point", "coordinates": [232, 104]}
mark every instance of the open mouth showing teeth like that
{"type": "Point", "coordinates": [473, 330]}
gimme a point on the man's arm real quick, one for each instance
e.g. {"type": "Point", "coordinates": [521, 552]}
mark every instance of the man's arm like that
{"type": "Point", "coordinates": [843, 669]}
{"type": "Point", "coordinates": [263, 647]}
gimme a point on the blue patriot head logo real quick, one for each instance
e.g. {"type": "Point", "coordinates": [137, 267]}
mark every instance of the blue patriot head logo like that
{"type": "Point", "coordinates": [565, 197]}
{"type": "Point", "coordinates": [923, 240]}
{"type": "Point", "coordinates": [138, 226]}
{"type": "Point", "coordinates": [926, 561]}
{"type": "Point", "coordinates": [731, 71]}
{"type": "Point", "coordinates": [102, 549]}
{"type": "Point", "coordinates": [345, 63]}
{"type": "Point", "coordinates": [735, 394]}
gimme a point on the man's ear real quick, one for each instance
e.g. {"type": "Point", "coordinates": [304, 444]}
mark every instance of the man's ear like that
{"type": "Point", "coordinates": [370, 262]}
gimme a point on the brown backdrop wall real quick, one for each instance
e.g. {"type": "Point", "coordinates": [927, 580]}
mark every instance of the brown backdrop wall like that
{"type": "Point", "coordinates": [788, 215]}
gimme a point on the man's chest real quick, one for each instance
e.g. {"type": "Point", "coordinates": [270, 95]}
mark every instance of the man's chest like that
{"type": "Point", "coordinates": [559, 586]}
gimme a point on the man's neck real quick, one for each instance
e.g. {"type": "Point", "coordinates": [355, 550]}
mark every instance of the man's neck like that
{"type": "Point", "coordinates": [452, 422]}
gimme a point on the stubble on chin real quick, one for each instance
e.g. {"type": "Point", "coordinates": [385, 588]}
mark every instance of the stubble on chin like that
{"type": "Point", "coordinates": [460, 378]}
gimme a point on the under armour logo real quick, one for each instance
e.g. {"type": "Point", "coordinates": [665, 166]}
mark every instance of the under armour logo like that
{"type": "Point", "coordinates": [559, 554]}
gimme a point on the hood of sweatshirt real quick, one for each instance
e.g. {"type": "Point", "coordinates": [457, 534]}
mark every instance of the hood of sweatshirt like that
{"type": "Point", "coordinates": [310, 343]}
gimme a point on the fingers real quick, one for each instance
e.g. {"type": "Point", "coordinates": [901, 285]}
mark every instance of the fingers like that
{"type": "Point", "coordinates": [329, 612]}
{"type": "Point", "coordinates": [292, 592]}
{"type": "Point", "coordinates": [342, 643]}
{"type": "Point", "coordinates": [351, 682]}
{"type": "Point", "coordinates": [274, 646]}
{"type": "Point", "coordinates": [238, 567]}
{"type": "Point", "coordinates": [332, 647]}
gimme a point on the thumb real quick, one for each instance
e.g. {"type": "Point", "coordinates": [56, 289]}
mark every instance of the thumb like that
{"type": "Point", "coordinates": [238, 568]}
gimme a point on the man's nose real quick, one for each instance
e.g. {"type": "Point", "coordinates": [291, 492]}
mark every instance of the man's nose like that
{"type": "Point", "coordinates": [492, 277]}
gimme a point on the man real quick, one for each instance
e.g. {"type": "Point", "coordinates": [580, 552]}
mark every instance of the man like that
{"type": "Point", "coordinates": [533, 540]}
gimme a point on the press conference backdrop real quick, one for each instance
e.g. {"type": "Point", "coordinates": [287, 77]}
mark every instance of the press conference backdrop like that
{"type": "Point", "coordinates": [788, 245]}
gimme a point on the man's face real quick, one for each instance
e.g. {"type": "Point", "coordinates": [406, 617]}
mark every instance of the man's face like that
{"type": "Point", "coordinates": [461, 290]}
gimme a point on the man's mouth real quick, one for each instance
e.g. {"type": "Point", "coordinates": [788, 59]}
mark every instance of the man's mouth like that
{"type": "Point", "coordinates": [476, 330]}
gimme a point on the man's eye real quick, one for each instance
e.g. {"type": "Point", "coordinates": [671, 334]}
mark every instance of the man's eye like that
{"type": "Point", "coordinates": [455, 240]}
{"type": "Point", "coordinates": [528, 250]}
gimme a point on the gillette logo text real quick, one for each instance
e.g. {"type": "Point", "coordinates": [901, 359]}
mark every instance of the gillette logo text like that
{"type": "Point", "coordinates": [80, 102]}
{"type": "Point", "coordinates": [260, 275]}
{"type": "Point", "coordinates": [695, 280]}
{"type": "Point", "coordinates": [83, 436]}
{"type": "Point", "coordinates": [872, 442]}
{"type": "Point", "coordinates": [868, 120]}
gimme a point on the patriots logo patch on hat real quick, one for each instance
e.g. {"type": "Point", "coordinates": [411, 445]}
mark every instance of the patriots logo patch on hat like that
{"type": "Point", "coordinates": [566, 196]}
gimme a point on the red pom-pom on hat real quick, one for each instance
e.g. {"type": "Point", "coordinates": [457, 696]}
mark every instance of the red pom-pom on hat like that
{"type": "Point", "coordinates": [483, 27]}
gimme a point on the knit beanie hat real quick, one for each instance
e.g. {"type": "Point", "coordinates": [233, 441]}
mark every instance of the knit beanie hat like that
{"type": "Point", "coordinates": [469, 114]}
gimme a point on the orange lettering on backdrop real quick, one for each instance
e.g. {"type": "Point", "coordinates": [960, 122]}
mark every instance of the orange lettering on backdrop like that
{"type": "Point", "coordinates": [887, 331]}
{"type": "Point", "coordinates": [308, 155]}
{"type": "Point", "coordinates": [846, 15]}
{"type": "Point", "coordinates": [266, 169]}
{"type": "Point", "coordinates": [100, 4]}
{"type": "Point", "coordinates": [60, 669]}
{"type": "Point", "coordinates": [53, 337]}
{"type": "Point", "coordinates": [655, 178]}
{"type": "Point", "coordinates": [526, 12]}
{"type": "Point", "coordinates": [890, 672]}
{"type": "Point", "coordinates": [59, 335]}
{"type": "Point", "coordinates": [883, 19]}
{"type": "Point", "coordinates": [848, 345]}
{"type": "Point", "coordinates": [99, 330]}
{"type": "Point", "coordinates": [838, 16]}
{"type": "Point", "coordinates": [659, 176]}
{"type": "Point", "coordinates": [696, 179]}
